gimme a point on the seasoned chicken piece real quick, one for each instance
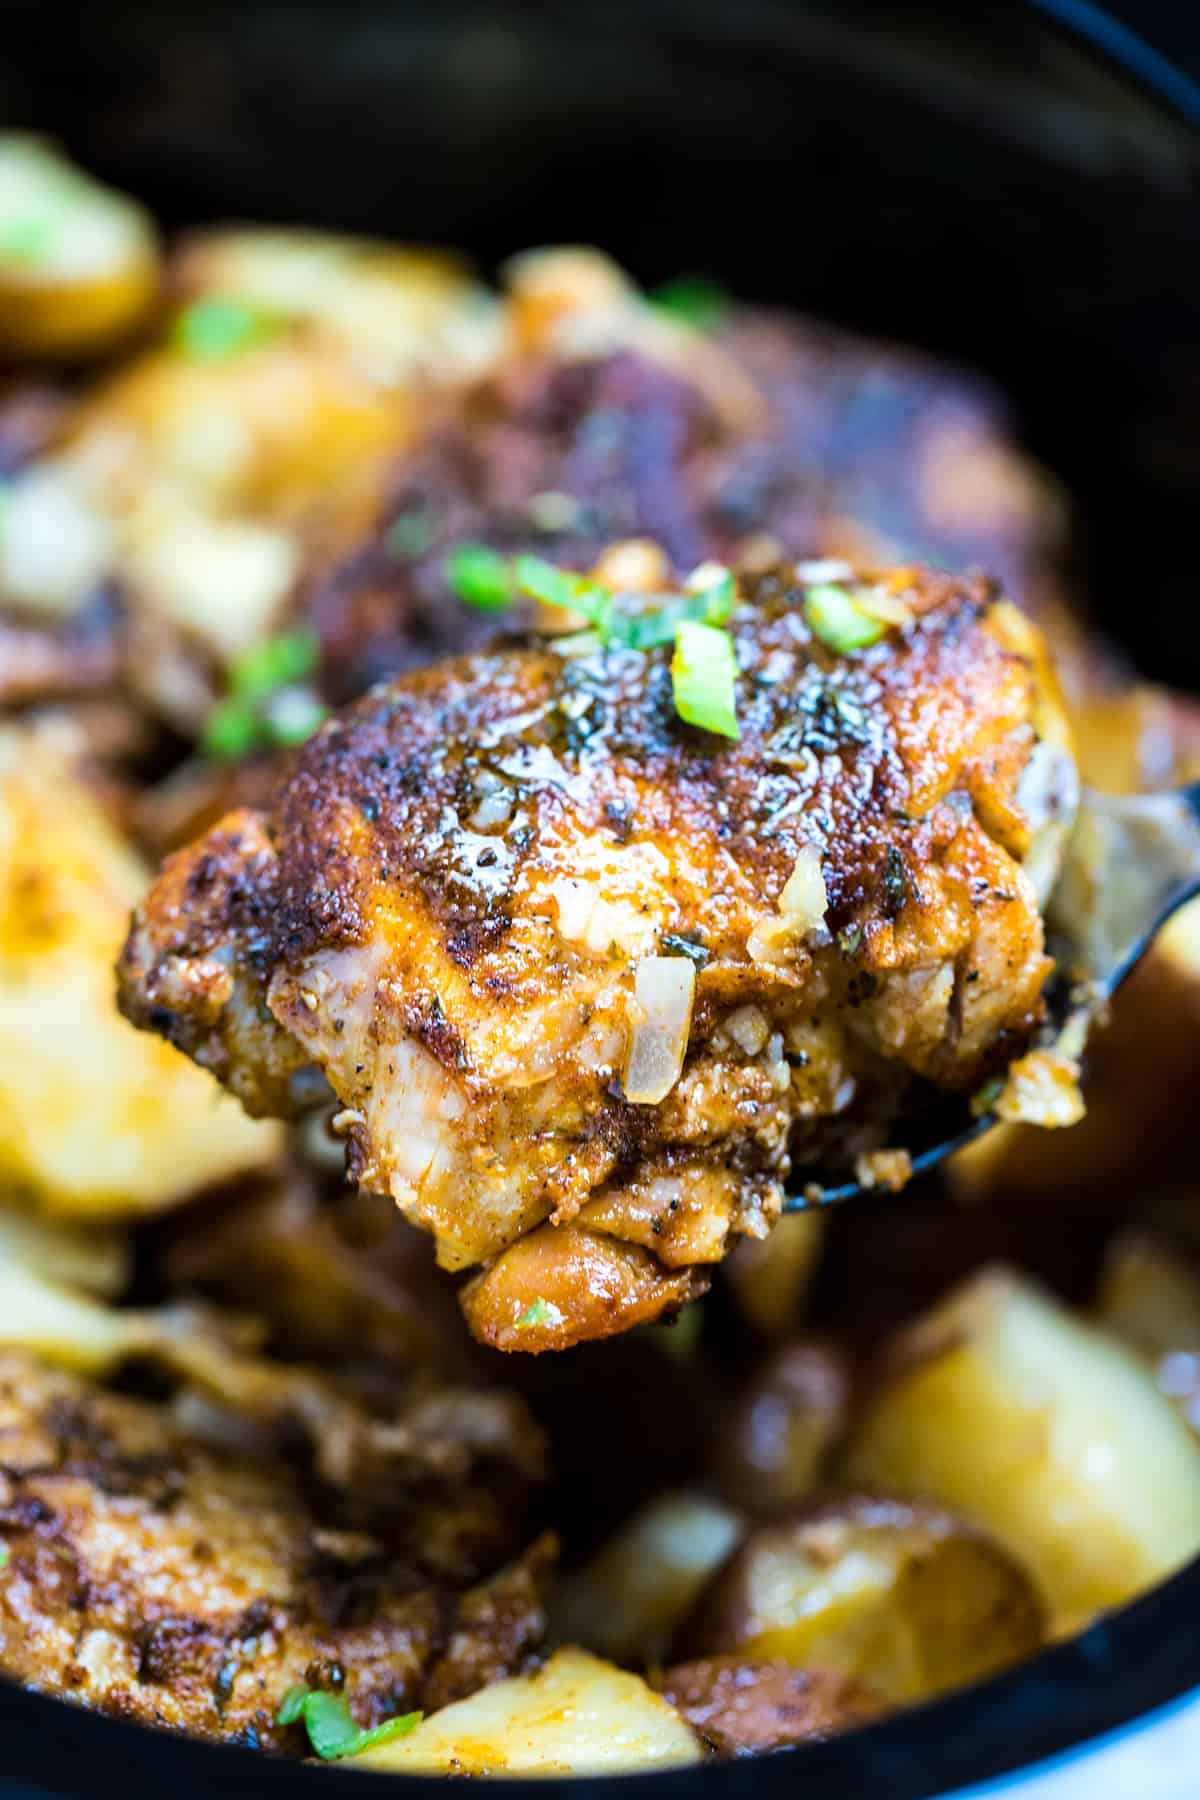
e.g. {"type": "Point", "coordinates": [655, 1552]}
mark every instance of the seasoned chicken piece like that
{"type": "Point", "coordinates": [607, 417]}
{"type": "Point", "coordinates": [151, 1577]}
{"type": "Point", "coordinates": [588, 982]}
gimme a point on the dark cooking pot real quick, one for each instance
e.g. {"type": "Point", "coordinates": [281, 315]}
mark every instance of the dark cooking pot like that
{"type": "Point", "coordinates": [1016, 184]}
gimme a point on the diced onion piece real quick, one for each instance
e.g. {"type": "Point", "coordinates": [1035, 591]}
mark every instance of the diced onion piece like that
{"type": "Point", "coordinates": [749, 1029]}
{"type": "Point", "coordinates": [664, 989]}
{"type": "Point", "coordinates": [887, 1169]}
{"type": "Point", "coordinates": [823, 569]}
{"type": "Point", "coordinates": [800, 912]}
{"type": "Point", "coordinates": [1042, 1089]}
{"type": "Point", "coordinates": [55, 548]}
{"type": "Point", "coordinates": [633, 566]}
{"type": "Point", "coordinates": [878, 604]}
{"type": "Point", "coordinates": [804, 901]}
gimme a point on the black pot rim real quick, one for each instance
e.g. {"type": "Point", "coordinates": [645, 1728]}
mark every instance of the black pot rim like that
{"type": "Point", "coordinates": [1123, 1671]}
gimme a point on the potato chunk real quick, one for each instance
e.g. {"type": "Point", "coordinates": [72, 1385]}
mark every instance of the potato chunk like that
{"type": "Point", "coordinates": [95, 1119]}
{"type": "Point", "coordinates": [628, 1600]}
{"type": "Point", "coordinates": [575, 1716]}
{"type": "Point", "coordinates": [904, 1597]}
{"type": "Point", "coordinates": [1046, 1433]}
{"type": "Point", "coordinates": [79, 264]}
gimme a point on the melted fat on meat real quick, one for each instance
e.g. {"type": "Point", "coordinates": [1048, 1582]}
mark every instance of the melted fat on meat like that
{"type": "Point", "coordinates": [445, 917]}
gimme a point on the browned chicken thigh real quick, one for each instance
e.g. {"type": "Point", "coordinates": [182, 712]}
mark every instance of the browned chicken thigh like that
{"type": "Point", "coordinates": [589, 983]}
{"type": "Point", "coordinates": [154, 1577]}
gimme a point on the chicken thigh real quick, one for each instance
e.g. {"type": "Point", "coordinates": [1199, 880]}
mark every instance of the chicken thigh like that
{"type": "Point", "coordinates": [590, 983]}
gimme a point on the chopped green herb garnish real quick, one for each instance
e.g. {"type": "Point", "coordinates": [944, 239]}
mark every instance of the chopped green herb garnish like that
{"type": "Point", "coordinates": [274, 663]}
{"type": "Point", "coordinates": [330, 1726]}
{"type": "Point", "coordinates": [704, 668]}
{"type": "Point", "coordinates": [409, 535]}
{"type": "Point", "coordinates": [544, 581]}
{"type": "Point", "coordinates": [835, 620]}
{"type": "Point", "coordinates": [265, 703]}
{"type": "Point", "coordinates": [291, 1706]}
{"type": "Point", "coordinates": [695, 299]}
{"type": "Point", "coordinates": [230, 731]}
{"type": "Point", "coordinates": [704, 676]}
{"type": "Point", "coordinates": [539, 1312]}
{"type": "Point", "coordinates": [480, 577]}
{"type": "Point", "coordinates": [713, 605]}
{"type": "Point", "coordinates": [220, 327]}
{"type": "Point", "coordinates": [5, 1556]}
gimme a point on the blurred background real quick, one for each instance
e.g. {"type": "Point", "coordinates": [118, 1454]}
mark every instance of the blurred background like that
{"type": "Point", "coordinates": [796, 152]}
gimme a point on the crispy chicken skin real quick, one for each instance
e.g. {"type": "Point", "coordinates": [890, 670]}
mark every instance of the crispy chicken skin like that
{"type": "Point", "coordinates": [453, 914]}
{"type": "Point", "coordinates": [153, 1578]}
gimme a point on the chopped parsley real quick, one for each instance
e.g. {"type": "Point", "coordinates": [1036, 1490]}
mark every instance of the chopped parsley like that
{"type": "Point", "coordinates": [274, 663]}
{"type": "Point", "coordinates": [695, 300]}
{"type": "Point", "coordinates": [220, 327]}
{"type": "Point", "coordinates": [539, 1312]}
{"type": "Point", "coordinates": [269, 702]}
{"type": "Point", "coordinates": [836, 621]}
{"type": "Point", "coordinates": [5, 1556]}
{"type": "Point", "coordinates": [704, 676]}
{"type": "Point", "coordinates": [331, 1729]}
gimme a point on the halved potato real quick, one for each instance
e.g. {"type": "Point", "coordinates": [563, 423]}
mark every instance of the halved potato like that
{"type": "Point", "coordinates": [96, 1119]}
{"type": "Point", "coordinates": [406, 310]}
{"type": "Point", "coordinates": [627, 1601]}
{"type": "Point", "coordinates": [1044, 1431]}
{"type": "Point", "coordinates": [741, 1707]}
{"type": "Point", "coordinates": [575, 1716]}
{"type": "Point", "coordinates": [905, 1597]}
{"type": "Point", "coordinates": [79, 263]}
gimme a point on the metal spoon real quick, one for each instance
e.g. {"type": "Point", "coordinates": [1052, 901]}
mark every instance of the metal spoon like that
{"type": "Point", "coordinates": [1132, 862]}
